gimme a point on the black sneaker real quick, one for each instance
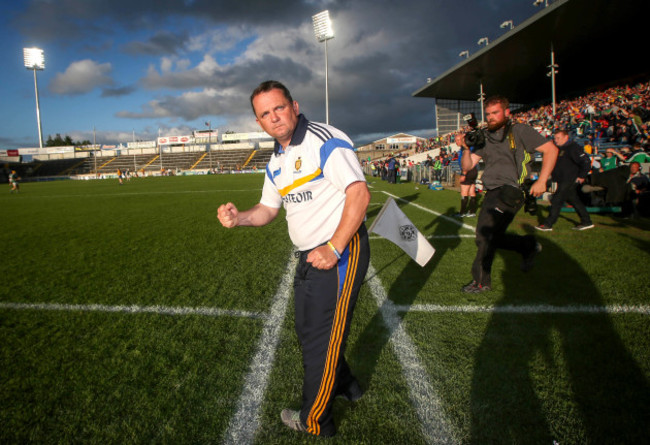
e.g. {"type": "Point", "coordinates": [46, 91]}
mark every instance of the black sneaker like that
{"type": "Point", "coordinates": [583, 227]}
{"type": "Point", "coordinates": [528, 261]}
{"type": "Point", "coordinates": [352, 393]}
{"type": "Point", "coordinates": [475, 288]}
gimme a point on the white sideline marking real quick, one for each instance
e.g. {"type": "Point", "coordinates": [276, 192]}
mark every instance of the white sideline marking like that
{"type": "Point", "coordinates": [216, 312]}
{"type": "Point", "coordinates": [436, 428]}
{"type": "Point", "coordinates": [529, 309]}
{"type": "Point", "coordinates": [245, 421]}
{"type": "Point", "coordinates": [134, 309]}
{"type": "Point", "coordinates": [93, 195]}
{"type": "Point", "coordinates": [433, 212]}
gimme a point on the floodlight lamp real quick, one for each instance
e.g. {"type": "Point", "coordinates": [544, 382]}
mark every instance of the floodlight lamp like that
{"type": "Point", "coordinates": [483, 40]}
{"type": "Point", "coordinates": [323, 26]}
{"type": "Point", "coordinates": [464, 54]}
{"type": "Point", "coordinates": [506, 24]}
{"type": "Point", "coordinates": [34, 59]}
{"type": "Point", "coordinates": [539, 2]}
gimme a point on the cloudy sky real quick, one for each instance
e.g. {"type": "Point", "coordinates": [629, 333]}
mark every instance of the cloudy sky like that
{"type": "Point", "coordinates": [134, 68]}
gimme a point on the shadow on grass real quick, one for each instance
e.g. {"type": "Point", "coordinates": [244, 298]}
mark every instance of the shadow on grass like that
{"type": "Point", "coordinates": [566, 377]}
{"type": "Point", "coordinates": [618, 221]}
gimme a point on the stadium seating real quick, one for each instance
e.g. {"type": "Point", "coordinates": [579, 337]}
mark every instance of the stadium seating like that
{"type": "Point", "coordinates": [600, 118]}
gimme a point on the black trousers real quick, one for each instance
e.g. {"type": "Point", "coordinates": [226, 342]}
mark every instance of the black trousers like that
{"type": "Point", "coordinates": [567, 192]}
{"type": "Point", "coordinates": [493, 221]}
{"type": "Point", "coordinates": [324, 304]}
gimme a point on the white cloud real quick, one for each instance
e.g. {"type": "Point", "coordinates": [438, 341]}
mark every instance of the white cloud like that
{"type": "Point", "coordinates": [182, 78]}
{"type": "Point", "coordinates": [82, 77]}
{"type": "Point", "coordinates": [166, 64]}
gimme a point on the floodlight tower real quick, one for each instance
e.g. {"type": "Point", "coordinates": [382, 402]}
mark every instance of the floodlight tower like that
{"type": "Point", "coordinates": [34, 60]}
{"type": "Point", "coordinates": [324, 32]}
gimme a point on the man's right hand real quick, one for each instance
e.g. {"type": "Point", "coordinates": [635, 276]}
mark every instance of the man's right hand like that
{"type": "Point", "coordinates": [228, 215]}
{"type": "Point", "coordinates": [538, 188]}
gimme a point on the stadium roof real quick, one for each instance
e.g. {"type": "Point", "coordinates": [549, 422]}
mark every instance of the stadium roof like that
{"type": "Point", "coordinates": [596, 43]}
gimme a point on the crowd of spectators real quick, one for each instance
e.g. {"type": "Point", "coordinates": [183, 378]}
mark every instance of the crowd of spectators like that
{"type": "Point", "coordinates": [432, 143]}
{"type": "Point", "coordinates": [612, 123]}
{"type": "Point", "coordinates": [618, 115]}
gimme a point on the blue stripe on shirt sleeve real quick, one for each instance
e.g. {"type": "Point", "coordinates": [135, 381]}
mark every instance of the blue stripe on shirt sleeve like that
{"type": "Point", "coordinates": [272, 176]}
{"type": "Point", "coordinates": [328, 147]}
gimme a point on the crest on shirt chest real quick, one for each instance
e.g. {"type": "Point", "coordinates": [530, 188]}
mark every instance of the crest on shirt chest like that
{"type": "Point", "coordinates": [298, 164]}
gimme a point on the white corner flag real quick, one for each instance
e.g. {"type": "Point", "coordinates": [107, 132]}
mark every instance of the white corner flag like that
{"type": "Point", "coordinates": [394, 225]}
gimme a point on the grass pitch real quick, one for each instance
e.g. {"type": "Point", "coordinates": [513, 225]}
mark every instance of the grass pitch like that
{"type": "Point", "coordinates": [82, 361]}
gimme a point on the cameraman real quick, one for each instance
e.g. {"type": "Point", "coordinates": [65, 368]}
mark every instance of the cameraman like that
{"type": "Point", "coordinates": [507, 152]}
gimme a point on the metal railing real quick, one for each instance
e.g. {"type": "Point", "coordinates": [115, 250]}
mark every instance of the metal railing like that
{"type": "Point", "coordinates": [420, 173]}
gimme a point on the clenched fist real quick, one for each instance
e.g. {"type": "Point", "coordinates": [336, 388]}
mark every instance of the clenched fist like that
{"type": "Point", "coordinates": [228, 215]}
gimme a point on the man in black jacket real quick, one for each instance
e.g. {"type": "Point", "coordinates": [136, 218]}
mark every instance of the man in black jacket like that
{"type": "Point", "coordinates": [571, 169]}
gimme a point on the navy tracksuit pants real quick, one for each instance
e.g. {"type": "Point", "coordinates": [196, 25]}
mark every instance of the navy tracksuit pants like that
{"type": "Point", "coordinates": [324, 304]}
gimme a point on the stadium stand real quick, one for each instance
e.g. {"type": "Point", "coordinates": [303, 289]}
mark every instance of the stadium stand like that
{"type": "Point", "coordinates": [223, 160]}
{"type": "Point", "coordinates": [260, 159]}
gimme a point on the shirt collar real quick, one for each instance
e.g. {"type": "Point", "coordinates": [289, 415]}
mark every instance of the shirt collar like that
{"type": "Point", "coordinates": [298, 134]}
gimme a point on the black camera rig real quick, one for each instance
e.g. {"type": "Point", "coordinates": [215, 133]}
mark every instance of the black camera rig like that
{"type": "Point", "coordinates": [475, 137]}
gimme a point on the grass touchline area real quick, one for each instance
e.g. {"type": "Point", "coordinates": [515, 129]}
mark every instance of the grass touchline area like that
{"type": "Point", "coordinates": [135, 317]}
{"type": "Point", "coordinates": [246, 420]}
{"type": "Point", "coordinates": [133, 309]}
{"type": "Point", "coordinates": [434, 422]}
{"type": "Point", "coordinates": [529, 309]}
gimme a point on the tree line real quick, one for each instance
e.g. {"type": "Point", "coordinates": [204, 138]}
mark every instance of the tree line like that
{"type": "Point", "coordinates": [66, 141]}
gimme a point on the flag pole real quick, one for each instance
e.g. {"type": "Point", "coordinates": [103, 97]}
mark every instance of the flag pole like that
{"type": "Point", "coordinates": [381, 212]}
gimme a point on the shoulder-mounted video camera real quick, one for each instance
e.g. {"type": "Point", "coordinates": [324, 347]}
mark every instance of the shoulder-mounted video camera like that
{"type": "Point", "coordinates": [476, 137]}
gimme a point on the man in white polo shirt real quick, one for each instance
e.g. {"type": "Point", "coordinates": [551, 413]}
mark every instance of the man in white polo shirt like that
{"type": "Point", "coordinates": [316, 175]}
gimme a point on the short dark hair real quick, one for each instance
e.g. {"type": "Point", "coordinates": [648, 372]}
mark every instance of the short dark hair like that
{"type": "Point", "coordinates": [267, 86]}
{"type": "Point", "coordinates": [493, 100]}
{"type": "Point", "coordinates": [562, 131]}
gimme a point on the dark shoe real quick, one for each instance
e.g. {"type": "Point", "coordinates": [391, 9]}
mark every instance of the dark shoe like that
{"type": "Point", "coordinates": [528, 260]}
{"type": "Point", "coordinates": [475, 288]}
{"type": "Point", "coordinates": [544, 228]}
{"type": "Point", "coordinates": [292, 419]}
{"type": "Point", "coordinates": [583, 227]}
{"type": "Point", "coordinates": [352, 393]}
